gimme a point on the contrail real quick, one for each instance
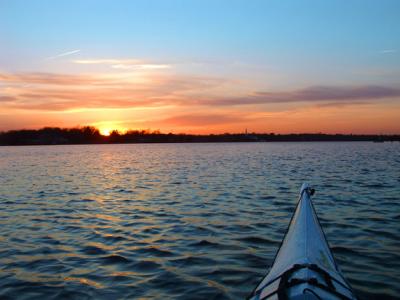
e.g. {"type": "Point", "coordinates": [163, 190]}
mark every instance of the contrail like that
{"type": "Point", "coordinates": [63, 54]}
{"type": "Point", "coordinates": [388, 51]}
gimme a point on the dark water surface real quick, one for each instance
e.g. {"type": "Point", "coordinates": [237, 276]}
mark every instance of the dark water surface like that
{"type": "Point", "coordinates": [189, 221]}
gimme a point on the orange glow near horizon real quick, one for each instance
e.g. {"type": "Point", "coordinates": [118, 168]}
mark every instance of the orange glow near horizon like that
{"type": "Point", "coordinates": [357, 119]}
{"type": "Point", "coordinates": [107, 128]}
{"type": "Point", "coordinates": [105, 131]}
{"type": "Point", "coordinates": [190, 104]}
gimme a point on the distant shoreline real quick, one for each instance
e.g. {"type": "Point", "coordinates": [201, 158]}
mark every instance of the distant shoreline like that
{"type": "Point", "coordinates": [159, 143]}
{"type": "Point", "coordinates": [91, 135]}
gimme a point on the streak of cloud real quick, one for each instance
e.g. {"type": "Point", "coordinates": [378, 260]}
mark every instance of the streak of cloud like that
{"type": "Point", "coordinates": [386, 51]}
{"type": "Point", "coordinates": [341, 104]}
{"type": "Point", "coordinates": [107, 61]}
{"type": "Point", "coordinates": [49, 79]}
{"type": "Point", "coordinates": [124, 64]}
{"type": "Point", "coordinates": [59, 92]}
{"type": "Point", "coordinates": [312, 94]}
{"type": "Point", "coordinates": [63, 54]}
{"type": "Point", "coordinates": [141, 67]}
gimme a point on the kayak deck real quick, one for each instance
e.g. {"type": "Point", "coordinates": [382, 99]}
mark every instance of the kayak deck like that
{"type": "Point", "coordinates": [304, 267]}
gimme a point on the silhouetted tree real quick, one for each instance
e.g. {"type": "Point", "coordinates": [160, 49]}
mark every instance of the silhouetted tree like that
{"type": "Point", "coordinates": [91, 135]}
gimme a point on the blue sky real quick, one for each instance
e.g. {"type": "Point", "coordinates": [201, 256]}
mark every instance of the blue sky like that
{"type": "Point", "coordinates": [259, 45]}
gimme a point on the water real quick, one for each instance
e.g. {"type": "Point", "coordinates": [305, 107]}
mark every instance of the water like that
{"type": "Point", "coordinates": [189, 221]}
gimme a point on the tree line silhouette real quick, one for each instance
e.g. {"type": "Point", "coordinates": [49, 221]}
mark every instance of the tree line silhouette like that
{"type": "Point", "coordinates": [91, 135]}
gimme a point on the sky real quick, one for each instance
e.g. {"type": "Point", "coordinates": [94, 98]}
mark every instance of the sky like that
{"type": "Point", "coordinates": [209, 66]}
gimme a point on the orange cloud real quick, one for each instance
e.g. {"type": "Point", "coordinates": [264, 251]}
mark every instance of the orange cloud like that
{"type": "Point", "coordinates": [57, 92]}
{"type": "Point", "coordinates": [48, 91]}
{"type": "Point", "coordinates": [50, 79]}
{"type": "Point", "coordinates": [197, 103]}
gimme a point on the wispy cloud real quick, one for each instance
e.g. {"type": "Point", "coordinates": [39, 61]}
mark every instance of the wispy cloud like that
{"type": "Point", "coordinates": [312, 94]}
{"type": "Point", "coordinates": [125, 64]}
{"type": "Point", "coordinates": [58, 92]}
{"type": "Point", "coordinates": [140, 66]}
{"type": "Point", "coordinates": [49, 79]}
{"type": "Point", "coordinates": [341, 104]}
{"type": "Point", "coordinates": [386, 51]}
{"type": "Point", "coordinates": [108, 61]}
{"type": "Point", "coordinates": [63, 54]}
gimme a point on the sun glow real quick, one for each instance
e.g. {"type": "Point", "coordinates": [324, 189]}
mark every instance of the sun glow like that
{"type": "Point", "coordinates": [106, 131]}
{"type": "Point", "coordinates": [107, 128]}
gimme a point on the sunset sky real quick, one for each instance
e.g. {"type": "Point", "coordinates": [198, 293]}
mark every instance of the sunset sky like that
{"type": "Point", "coordinates": [208, 66]}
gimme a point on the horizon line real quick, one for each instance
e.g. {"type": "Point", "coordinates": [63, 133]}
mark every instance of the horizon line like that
{"type": "Point", "coordinates": [158, 131]}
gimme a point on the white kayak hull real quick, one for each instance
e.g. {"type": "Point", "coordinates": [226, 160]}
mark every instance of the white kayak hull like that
{"type": "Point", "coordinates": [304, 267]}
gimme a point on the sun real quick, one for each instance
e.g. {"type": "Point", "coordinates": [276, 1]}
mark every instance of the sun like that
{"type": "Point", "coordinates": [105, 131]}
{"type": "Point", "coordinates": [107, 128]}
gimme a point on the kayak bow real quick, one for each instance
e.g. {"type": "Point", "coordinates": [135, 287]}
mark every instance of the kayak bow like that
{"type": "Point", "coordinates": [304, 267]}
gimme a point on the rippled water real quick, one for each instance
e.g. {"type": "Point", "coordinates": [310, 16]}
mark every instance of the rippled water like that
{"type": "Point", "coordinates": [189, 221]}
